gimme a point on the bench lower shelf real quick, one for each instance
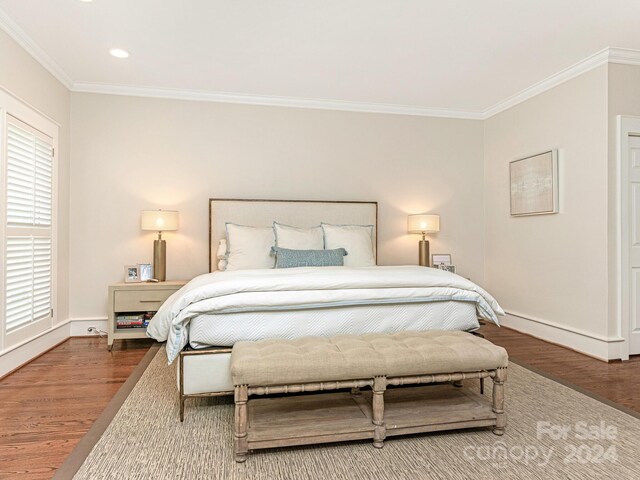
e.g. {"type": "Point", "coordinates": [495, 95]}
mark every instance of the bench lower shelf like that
{"type": "Point", "coordinates": [342, 416]}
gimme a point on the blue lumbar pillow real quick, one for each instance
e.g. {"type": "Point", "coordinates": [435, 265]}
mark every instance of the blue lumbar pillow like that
{"type": "Point", "coordinates": [288, 258]}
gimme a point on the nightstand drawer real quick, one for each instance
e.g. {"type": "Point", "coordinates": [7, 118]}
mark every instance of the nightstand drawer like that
{"type": "Point", "coordinates": [140, 300]}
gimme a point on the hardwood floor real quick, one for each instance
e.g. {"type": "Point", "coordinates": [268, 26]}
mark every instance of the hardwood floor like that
{"type": "Point", "coordinates": [616, 381]}
{"type": "Point", "coordinates": [48, 405]}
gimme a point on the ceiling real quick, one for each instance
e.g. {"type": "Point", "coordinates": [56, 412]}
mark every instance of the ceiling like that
{"type": "Point", "coordinates": [453, 55]}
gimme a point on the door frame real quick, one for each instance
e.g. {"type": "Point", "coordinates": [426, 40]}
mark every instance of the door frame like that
{"type": "Point", "coordinates": [626, 126]}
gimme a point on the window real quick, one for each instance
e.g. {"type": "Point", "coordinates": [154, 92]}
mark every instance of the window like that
{"type": "Point", "coordinates": [27, 173]}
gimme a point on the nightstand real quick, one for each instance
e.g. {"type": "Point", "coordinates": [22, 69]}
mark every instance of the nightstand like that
{"type": "Point", "coordinates": [136, 298]}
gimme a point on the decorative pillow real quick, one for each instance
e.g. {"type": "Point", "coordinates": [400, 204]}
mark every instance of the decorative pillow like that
{"type": "Point", "coordinates": [287, 258]}
{"type": "Point", "coordinates": [249, 247]}
{"type": "Point", "coordinates": [298, 238]}
{"type": "Point", "coordinates": [355, 239]}
{"type": "Point", "coordinates": [221, 254]}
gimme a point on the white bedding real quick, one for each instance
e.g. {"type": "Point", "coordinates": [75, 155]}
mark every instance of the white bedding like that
{"type": "Point", "coordinates": [309, 288]}
{"type": "Point", "coordinates": [228, 328]}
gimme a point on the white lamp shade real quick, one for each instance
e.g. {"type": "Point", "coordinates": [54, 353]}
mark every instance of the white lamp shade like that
{"type": "Point", "coordinates": [159, 220]}
{"type": "Point", "coordinates": [423, 223]}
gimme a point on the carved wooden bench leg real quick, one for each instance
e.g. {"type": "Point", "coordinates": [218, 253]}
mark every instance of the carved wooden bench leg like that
{"type": "Point", "coordinates": [355, 391]}
{"type": "Point", "coordinates": [241, 441]}
{"type": "Point", "coordinates": [380, 431]}
{"type": "Point", "coordinates": [498, 401]}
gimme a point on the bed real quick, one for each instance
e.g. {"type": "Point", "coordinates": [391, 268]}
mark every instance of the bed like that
{"type": "Point", "coordinates": [202, 321]}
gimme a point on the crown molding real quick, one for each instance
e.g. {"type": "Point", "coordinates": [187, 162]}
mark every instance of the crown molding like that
{"type": "Point", "coordinates": [625, 56]}
{"type": "Point", "coordinates": [276, 101]}
{"type": "Point", "coordinates": [575, 70]}
{"type": "Point", "coordinates": [25, 41]}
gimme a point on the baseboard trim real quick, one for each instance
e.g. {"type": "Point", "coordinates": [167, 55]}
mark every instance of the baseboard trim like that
{"type": "Point", "coordinates": [11, 360]}
{"type": "Point", "coordinates": [594, 345]}
{"type": "Point", "coordinates": [19, 355]}
{"type": "Point", "coordinates": [79, 326]}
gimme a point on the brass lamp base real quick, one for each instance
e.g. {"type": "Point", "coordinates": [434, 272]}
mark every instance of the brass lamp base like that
{"type": "Point", "coordinates": [423, 253]}
{"type": "Point", "coordinates": [160, 260]}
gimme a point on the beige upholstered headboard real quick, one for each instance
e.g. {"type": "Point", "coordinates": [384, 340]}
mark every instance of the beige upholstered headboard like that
{"type": "Point", "coordinates": [298, 213]}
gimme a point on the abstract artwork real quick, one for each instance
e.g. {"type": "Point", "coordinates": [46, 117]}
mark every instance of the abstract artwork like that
{"type": "Point", "coordinates": [534, 184]}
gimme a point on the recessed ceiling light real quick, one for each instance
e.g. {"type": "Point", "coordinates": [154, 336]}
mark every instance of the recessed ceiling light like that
{"type": "Point", "coordinates": [86, 1]}
{"type": "Point", "coordinates": [119, 53]}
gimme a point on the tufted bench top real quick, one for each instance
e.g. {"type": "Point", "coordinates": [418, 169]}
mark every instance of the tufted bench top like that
{"type": "Point", "coordinates": [350, 357]}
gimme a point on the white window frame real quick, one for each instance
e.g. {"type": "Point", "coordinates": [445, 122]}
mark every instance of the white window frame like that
{"type": "Point", "coordinates": [10, 105]}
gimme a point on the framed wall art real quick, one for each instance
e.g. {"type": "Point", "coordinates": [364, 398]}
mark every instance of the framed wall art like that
{"type": "Point", "coordinates": [534, 184]}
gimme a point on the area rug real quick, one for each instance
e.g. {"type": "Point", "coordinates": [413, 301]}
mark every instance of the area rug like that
{"type": "Point", "coordinates": [553, 431]}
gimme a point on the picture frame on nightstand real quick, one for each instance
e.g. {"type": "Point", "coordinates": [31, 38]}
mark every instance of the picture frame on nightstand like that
{"type": "Point", "coordinates": [438, 259]}
{"type": "Point", "coordinates": [132, 274]}
{"type": "Point", "coordinates": [146, 271]}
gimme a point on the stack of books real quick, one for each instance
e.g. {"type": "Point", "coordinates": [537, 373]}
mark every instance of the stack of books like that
{"type": "Point", "coordinates": [147, 316]}
{"type": "Point", "coordinates": [134, 320]}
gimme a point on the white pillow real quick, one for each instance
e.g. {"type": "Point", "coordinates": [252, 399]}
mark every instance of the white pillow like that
{"type": "Point", "coordinates": [249, 247]}
{"type": "Point", "coordinates": [298, 238]}
{"type": "Point", "coordinates": [357, 240]}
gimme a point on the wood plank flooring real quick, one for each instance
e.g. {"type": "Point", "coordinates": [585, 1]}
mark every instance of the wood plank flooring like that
{"type": "Point", "coordinates": [48, 405]}
{"type": "Point", "coordinates": [616, 381]}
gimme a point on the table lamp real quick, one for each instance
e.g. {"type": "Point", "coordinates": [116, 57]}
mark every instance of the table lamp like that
{"type": "Point", "coordinates": [159, 221]}
{"type": "Point", "coordinates": [423, 224]}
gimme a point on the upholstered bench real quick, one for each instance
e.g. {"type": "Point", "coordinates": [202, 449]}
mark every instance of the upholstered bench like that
{"type": "Point", "coordinates": [377, 361]}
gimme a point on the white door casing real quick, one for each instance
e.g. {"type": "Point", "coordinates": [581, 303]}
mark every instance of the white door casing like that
{"type": "Point", "coordinates": [633, 217]}
{"type": "Point", "coordinates": [629, 158]}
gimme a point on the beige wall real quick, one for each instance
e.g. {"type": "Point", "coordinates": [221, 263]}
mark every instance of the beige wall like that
{"type": "Point", "coordinates": [21, 75]}
{"type": "Point", "coordinates": [552, 268]}
{"type": "Point", "coordinates": [131, 154]}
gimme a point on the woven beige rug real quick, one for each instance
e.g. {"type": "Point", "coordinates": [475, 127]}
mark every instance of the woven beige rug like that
{"type": "Point", "coordinates": [553, 432]}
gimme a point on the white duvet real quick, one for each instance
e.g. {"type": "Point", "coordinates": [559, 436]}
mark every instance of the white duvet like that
{"type": "Point", "coordinates": [309, 288]}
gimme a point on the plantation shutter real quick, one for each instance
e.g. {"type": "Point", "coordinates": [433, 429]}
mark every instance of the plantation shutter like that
{"type": "Point", "coordinates": [28, 243]}
{"type": "Point", "coordinates": [29, 167]}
